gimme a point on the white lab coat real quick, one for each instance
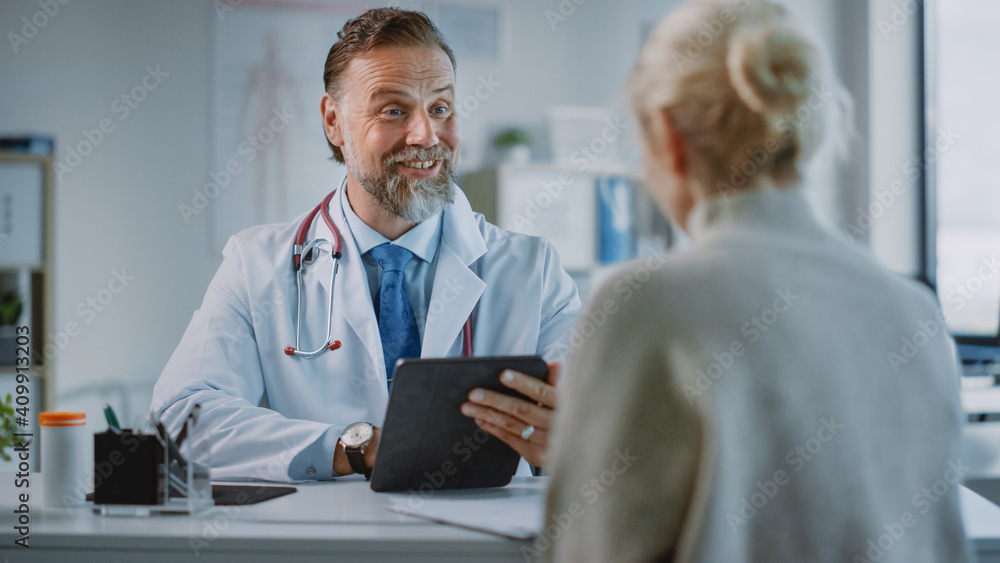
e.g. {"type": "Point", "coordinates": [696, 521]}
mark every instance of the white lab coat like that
{"type": "Point", "coordinates": [271, 416]}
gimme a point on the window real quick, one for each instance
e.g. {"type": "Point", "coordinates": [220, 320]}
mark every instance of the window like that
{"type": "Point", "coordinates": [962, 55]}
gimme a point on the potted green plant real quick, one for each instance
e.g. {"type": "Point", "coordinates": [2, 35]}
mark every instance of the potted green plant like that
{"type": "Point", "coordinates": [514, 146]}
{"type": "Point", "coordinates": [10, 308]}
{"type": "Point", "coordinates": [7, 427]}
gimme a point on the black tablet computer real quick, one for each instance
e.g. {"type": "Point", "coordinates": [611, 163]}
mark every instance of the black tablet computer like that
{"type": "Point", "coordinates": [427, 444]}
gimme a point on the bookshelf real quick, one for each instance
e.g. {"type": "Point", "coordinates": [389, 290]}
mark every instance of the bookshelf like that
{"type": "Point", "coordinates": [25, 276]}
{"type": "Point", "coordinates": [596, 218]}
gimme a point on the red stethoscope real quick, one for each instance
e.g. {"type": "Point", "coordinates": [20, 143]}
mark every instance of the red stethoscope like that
{"type": "Point", "coordinates": [299, 265]}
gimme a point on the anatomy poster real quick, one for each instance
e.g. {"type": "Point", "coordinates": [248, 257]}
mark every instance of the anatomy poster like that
{"type": "Point", "coordinates": [270, 161]}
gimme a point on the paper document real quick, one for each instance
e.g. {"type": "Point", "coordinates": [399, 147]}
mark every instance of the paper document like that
{"type": "Point", "coordinates": [515, 511]}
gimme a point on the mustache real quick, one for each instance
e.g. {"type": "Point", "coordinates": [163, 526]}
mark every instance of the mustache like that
{"type": "Point", "coordinates": [437, 152]}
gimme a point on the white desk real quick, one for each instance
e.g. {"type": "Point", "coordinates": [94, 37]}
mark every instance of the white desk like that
{"type": "Point", "coordinates": [982, 526]}
{"type": "Point", "coordinates": [335, 521]}
{"type": "Point", "coordinates": [332, 521]}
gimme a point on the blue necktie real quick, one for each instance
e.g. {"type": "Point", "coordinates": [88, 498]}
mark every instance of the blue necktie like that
{"type": "Point", "coordinates": [396, 325]}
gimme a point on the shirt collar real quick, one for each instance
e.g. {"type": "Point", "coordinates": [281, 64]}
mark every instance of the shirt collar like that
{"type": "Point", "coordinates": [765, 206]}
{"type": "Point", "coordinates": [422, 240]}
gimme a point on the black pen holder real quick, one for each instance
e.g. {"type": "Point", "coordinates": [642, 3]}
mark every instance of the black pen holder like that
{"type": "Point", "coordinates": [126, 468]}
{"type": "Point", "coordinates": [144, 474]}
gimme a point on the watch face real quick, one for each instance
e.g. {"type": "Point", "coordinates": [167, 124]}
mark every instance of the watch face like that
{"type": "Point", "coordinates": [356, 434]}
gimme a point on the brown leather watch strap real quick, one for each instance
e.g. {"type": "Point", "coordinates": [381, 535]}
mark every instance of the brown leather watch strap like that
{"type": "Point", "coordinates": [357, 461]}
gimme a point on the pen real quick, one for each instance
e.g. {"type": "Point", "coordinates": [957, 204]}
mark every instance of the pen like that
{"type": "Point", "coordinates": [109, 414]}
{"type": "Point", "coordinates": [193, 417]}
{"type": "Point", "coordinates": [172, 448]}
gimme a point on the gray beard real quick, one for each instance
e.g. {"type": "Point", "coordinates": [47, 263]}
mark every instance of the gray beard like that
{"type": "Point", "coordinates": [413, 199]}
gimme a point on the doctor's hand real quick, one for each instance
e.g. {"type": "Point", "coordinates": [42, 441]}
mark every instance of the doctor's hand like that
{"type": "Point", "coordinates": [522, 425]}
{"type": "Point", "coordinates": [342, 466]}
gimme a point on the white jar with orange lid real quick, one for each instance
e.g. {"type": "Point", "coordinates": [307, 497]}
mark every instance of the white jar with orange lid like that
{"type": "Point", "coordinates": [66, 458]}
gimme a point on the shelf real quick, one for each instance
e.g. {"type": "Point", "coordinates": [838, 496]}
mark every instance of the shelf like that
{"type": "Point", "coordinates": [591, 216]}
{"type": "Point", "coordinates": [26, 198]}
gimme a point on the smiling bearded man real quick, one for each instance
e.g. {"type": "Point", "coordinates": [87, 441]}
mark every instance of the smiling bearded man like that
{"type": "Point", "coordinates": [421, 275]}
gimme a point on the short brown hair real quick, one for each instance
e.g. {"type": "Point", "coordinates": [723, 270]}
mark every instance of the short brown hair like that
{"type": "Point", "coordinates": [379, 27]}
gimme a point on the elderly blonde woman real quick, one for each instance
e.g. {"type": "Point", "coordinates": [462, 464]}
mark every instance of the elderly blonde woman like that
{"type": "Point", "coordinates": [770, 393]}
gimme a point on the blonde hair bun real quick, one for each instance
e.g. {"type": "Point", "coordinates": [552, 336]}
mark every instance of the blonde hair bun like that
{"type": "Point", "coordinates": [738, 79]}
{"type": "Point", "coordinates": [770, 68]}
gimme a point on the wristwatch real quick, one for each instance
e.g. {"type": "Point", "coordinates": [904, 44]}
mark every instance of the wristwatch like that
{"type": "Point", "coordinates": [355, 439]}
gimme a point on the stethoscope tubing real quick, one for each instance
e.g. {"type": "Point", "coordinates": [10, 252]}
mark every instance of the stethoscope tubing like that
{"type": "Point", "coordinates": [301, 248]}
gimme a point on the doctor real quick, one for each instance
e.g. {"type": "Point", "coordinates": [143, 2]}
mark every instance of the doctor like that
{"type": "Point", "coordinates": [416, 264]}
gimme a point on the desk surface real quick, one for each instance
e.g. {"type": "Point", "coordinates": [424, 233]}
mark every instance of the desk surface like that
{"type": "Point", "coordinates": [341, 520]}
{"type": "Point", "coordinates": [980, 400]}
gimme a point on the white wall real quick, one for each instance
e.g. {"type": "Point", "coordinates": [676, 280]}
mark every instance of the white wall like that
{"type": "Point", "coordinates": [117, 211]}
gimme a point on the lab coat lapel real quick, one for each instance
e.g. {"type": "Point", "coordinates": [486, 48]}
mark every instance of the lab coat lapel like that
{"type": "Point", "coordinates": [456, 287]}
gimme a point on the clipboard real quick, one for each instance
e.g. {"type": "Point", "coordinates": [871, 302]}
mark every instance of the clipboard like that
{"type": "Point", "coordinates": [427, 444]}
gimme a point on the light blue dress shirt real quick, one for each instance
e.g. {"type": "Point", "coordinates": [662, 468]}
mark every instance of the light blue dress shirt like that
{"type": "Point", "coordinates": [418, 277]}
